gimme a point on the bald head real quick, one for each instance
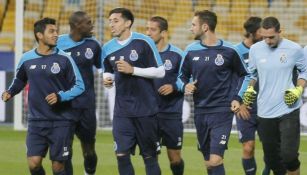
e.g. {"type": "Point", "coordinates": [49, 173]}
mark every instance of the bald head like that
{"type": "Point", "coordinates": [80, 25]}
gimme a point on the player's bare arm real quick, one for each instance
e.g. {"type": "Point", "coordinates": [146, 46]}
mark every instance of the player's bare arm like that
{"type": "Point", "coordinates": [166, 89]}
{"type": "Point", "coordinates": [52, 98]}
{"type": "Point", "coordinates": [124, 67]}
{"type": "Point", "coordinates": [6, 96]}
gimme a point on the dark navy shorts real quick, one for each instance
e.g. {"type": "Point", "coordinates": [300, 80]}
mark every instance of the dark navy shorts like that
{"type": "Point", "coordinates": [86, 126]}
{"type": "Point", "coordinates": [58, 139]}
{"type": "Point", "coordinates": [171, 133]}
{"type": "Point", "coordinates": [247, 128]}
{"type": "Point", "coordinates": [131, 131]}
{"type": "Point", "coordinates": [213, 132]}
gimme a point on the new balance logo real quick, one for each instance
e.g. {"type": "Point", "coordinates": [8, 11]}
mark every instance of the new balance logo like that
{"type": "Point", "coordinates": [223, 142]}
{"type": "Point", "coordinates": [32, 66]}
{"type": "Point", "coordinates": [195, 59]}
{"type": "Point", "coordinates": [66, 153]}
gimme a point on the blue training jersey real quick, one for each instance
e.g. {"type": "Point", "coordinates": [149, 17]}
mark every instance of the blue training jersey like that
{"type": "Point", "coordinates": [170, 106]}
{"type": "Point", "coordinates": [213, 67]}
{"type": "Point", "coordinates": [135, 96]}
{"type": "Point", "coordinates": [244, 51]}
{"type": "Point", "coordinates": [273, 68]}
{"type": "Point", "coordinates": [86, 54]}
{"type": "Point", "coordinates": [46, 74]}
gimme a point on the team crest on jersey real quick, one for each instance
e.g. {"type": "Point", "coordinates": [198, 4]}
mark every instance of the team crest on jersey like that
{"type": "Point", "coordinates": [168, 65]}
{"type": "Point", "coordinates": [219, 60]}
{"type": "Point", "coordinates": [55, 69]}
{"type": "Point", "coordinates": [89, 53]}
{"type": "Point", "coordinates": [283, 58]}
{"type": "Point", "coordinates": [133, 55]}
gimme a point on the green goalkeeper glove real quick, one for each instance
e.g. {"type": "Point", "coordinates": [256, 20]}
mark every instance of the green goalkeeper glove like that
{"type": "Point", "coordinates": [292, 95]}
{"type": "Point", "coordinates": [249, 96]}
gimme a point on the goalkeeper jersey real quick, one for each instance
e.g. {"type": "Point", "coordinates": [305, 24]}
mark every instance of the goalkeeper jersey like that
{"type": "Point", "coordinates": [86, 54]}
{"type": "Point", "coordinates": [135, 96]}
{"type": "Point", "coordinates": [213, 67]}
{"type": "Point", "coordinates": [273, 68]}
{"type": "Point", "coordinates": [46, 74]}
{"type": "Point", "coordinates": [170, 106]}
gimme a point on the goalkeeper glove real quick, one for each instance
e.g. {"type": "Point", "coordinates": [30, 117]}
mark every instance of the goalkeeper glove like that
{"type": "Point", "coordinates": [249, 96]}
{"type": "Point", "coordinates": [292, 95]}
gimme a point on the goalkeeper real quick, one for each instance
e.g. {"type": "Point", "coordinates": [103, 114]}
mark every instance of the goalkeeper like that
{"type": "Point", "coordinates": [271, 63]}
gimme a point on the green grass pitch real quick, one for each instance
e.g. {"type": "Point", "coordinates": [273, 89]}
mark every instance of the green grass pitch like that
{"type": "Point", "coordinates": [13, 156]}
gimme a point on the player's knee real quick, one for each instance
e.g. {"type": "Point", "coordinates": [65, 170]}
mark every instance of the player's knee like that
{"type": "Point", "coordinates": [34, 163]}
{"type": "Point", "coordinates": [58, 166]}
{"type": "Point", "coordinates": [174, 157]}
{"type": "Point", "coordinates": [292, 165]}
{"type": "Point", "coordinates": [290, 159]}
{"type": "Point", "coordinates": [88, 148]}
{"type": "Point", "coordinates": [214, 161]}
{"type": "Point", "coordinates": [248, 150]}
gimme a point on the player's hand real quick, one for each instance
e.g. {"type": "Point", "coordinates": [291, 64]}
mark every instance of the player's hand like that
{"type": "Point", "coordinates": [235, 106]}
{"type": "Point", "coordinates": [52, 98]}
{"type": "Point", "coordinates": [108, 82]}
{"type": "Point", "coordinates": [6, 96]}
{"type": "Point", "coordinates": [190, 88]}
{"type": "Point", "coordinates": [249, 96]}
{"type": "Point", "coordinates": [166, 89]}
{"type": "Point", "coordinates": [243, 112]}
{"type": "Point", "coordinates": [124, 67]}
{"type": "Point", "coordinates": [292, 95]}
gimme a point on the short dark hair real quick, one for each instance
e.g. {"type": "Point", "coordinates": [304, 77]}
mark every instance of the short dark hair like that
{"type": "Point", "coordinates": [76, 18]}
{"type": "Point", "coordinates": [126, 14]}
{"type": "Point", "coordinates": [271, 22]}
{"type": "Point", "coordinates": [251, 25]}
{"type": "Point", "coordinates": [208, 17]}
{"type": "Point", "coordinates": [163, 25]}
{"type": "Point", "coordinates": [40, 25]}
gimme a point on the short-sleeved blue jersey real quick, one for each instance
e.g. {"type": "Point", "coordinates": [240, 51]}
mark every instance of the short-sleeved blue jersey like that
{"type": "Point", "coordinates": [86, 54]}
{"type": "Point", "coordinates": [135, 96]}
{"type": "Point", "coordinates": [170, 105]}
{"type": "Point", "coordinates": [46, 74]}
{"type": "Point", "coordinates": [213, 67]}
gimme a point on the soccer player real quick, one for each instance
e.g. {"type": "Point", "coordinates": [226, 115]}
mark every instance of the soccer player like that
{"type": "Point", "coordinates": [132, 61]}
{"type": "Point", "coordinates": [86, 52]}
{"type": "Point", "coordinates": [271, 63]}
{"type": "Point", "coordinates": [54, 80]}
{"type": "Point", "coordinates": [246, 120]}
{"type": "Point", "coordinates": [206, 72]}
{"type": "Point", "coordinates": [170, 99]}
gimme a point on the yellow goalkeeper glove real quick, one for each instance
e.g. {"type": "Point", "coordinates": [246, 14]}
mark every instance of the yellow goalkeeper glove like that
{"type": "Point", "coordinates": [249, 96]}
{"type": "Point", "coordinates": [292, 95]}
